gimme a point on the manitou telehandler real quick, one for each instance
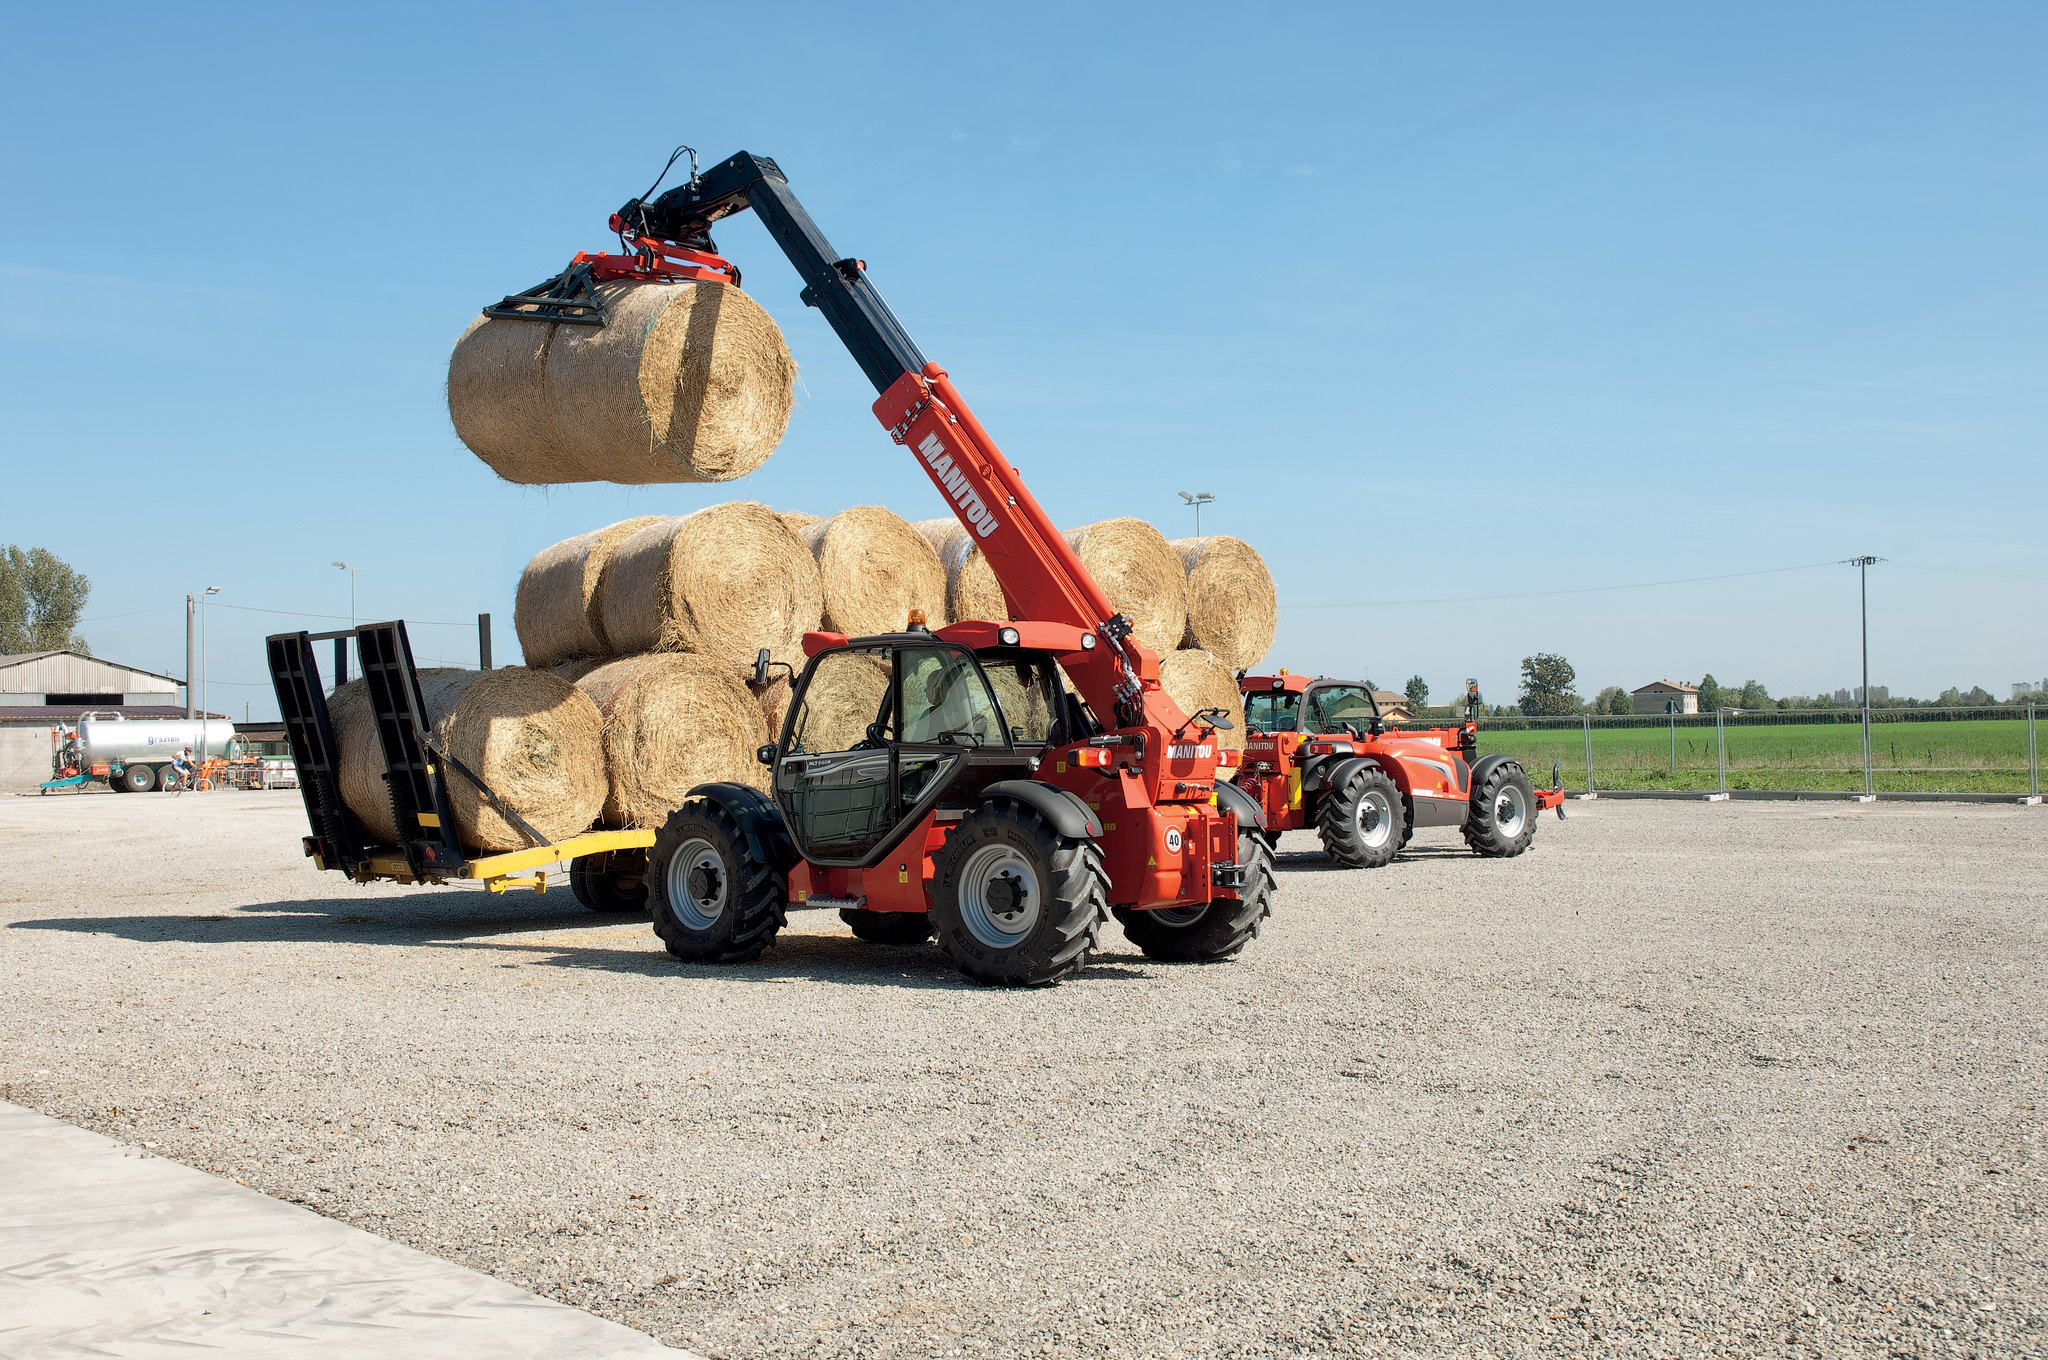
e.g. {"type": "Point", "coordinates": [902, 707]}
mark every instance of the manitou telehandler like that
{"type": "Point", "coordinates": [1319, 753]}
{"type": "Point", "coordinates": [977, 798]}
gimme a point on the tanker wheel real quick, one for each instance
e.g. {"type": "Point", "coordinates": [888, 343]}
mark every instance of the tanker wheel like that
{"type": "Point", "coordinates": [711, 901]}
{"type": "Point", "coordinates": [1016, 904]}
{"type": "Point", "coordinates": [137, 779]}
{"type": "Point", "coordinates": [1502, 820]}
{"type": "Point", "coordinates": [1207, 932]}
{"type": "Point", "coordinates": [887, 927]}
{"type": "Point", "coordinates": [1363, 824]}
{"type": "Point", "coordinates": [603, 888]}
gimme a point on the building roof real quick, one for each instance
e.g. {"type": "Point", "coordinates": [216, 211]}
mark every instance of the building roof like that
{"type": "Point", "coordinates": [42, 715]}
{"type": "Point", "coordinates": [1666, 687]}
{"type": "Point", "coordinates": [14, 659]}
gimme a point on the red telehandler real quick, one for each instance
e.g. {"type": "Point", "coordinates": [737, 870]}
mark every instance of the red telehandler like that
{"type": "Point", "coordinates": [1020, 780]}
{"type": "Point", "coordinates": [1318, 753]}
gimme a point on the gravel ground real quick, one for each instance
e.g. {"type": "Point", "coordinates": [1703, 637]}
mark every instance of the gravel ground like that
{"type": "Point", "coordinates": [1738, 1078]}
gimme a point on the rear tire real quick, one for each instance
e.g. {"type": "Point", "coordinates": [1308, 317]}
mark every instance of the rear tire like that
{"type": "Point", "coordinates": [1016, 904]}
{"type": "Point", "coordinates": [1364, 824]}
{"type": "Point", "coordinates": [1502, 821]}
{"type": "Point", "coordinates": [606, 889]}
{"type": "Point", "coordinates": [712, 902]}
{"type": "Point", "coordinates": [1216, 930]}
{"type": "Point", "coordinates": [137, 779]}
{"type": "Point", "coordinates": [888, 927]}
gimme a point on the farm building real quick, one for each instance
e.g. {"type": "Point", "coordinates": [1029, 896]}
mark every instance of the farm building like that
{"type": "Point", "coordinates": [1393, 707]}
{"type": "Point", "coordinates": [1658, 696]}
{"type": "Point", "coordinates": [39, 689]}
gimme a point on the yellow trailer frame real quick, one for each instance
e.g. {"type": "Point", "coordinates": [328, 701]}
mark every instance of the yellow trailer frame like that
{"type": "Point", "coordinates": [502, 873]}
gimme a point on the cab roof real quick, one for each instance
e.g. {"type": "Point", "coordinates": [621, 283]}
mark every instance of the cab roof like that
{"type": "Point", "coordinates": [1289, 684]}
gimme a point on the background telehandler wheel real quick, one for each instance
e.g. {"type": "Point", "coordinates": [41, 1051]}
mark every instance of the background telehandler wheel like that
{"type": "Point", "coordinates": [602, 888]}
{"type": "Point", "coordinates": [1016, 904]}
{"type": "Point", "coordinates": [1215, 930]}
{"type": "Point", "coordinates": [887, 927]}
{"type": "Point", "coordinates": [1502, 821]}
{"type": "Point", "coordinates": [711, 902]}
{"type": "Point", "coordinates": [137, 779]}
{"type": "Point", "coordinates": [1363, 824]}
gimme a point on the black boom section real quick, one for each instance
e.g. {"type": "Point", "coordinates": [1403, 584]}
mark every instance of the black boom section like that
{"type": "Point", "coordinates": [295, 675]}
{"type": "Point", "coordinates": [835, 286]}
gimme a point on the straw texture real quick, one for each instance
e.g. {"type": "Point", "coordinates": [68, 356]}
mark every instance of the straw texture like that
{"type": "Point", "coordinates": [671, 722]}
{"type": "Point", "coordinates": [686, 382]}
{"type": "Point", "coordinates": [721, 583]}
{"type": "Point", "coordinates": [875, 569]}
{"type": "Point", "coordinates": [1142, 576]}
{"type": "Point", "coordinates": [972, 591]}
{"type": "Point", "coordinates": [559, 612]}
{"type": "Point", "coordinates": [1232, 607]}
{"type": "Point", "coordinates": [844, 698]}
{"type": "Point", "coordinates": [1197, 680]}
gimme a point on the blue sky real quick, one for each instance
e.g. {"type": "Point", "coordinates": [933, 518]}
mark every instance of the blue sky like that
{"type": "Point", "coordinates": [1463, 308]}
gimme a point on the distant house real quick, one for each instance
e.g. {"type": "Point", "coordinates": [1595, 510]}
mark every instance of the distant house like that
{"type": "Point", "coordinates": [1393, 707]}
{"type": "Point", "coordinates": [1659, 696]}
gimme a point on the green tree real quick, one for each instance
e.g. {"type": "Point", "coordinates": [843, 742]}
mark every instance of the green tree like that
{"type": "Point", "coordinates": [1417, 692]}
{"type": "Point", "coordinates": [1753, 695]}
{"type": "Point", "coordinates": [1612, 699]}
{"type": "Point", "coordinates": [1712, 696]}
{"type": "Point", "coordinates": [1621, 705]}
{"type": "Point", "coordinates": [1547, 686]}
{"type": "Point", "coordinates": [40, 601]}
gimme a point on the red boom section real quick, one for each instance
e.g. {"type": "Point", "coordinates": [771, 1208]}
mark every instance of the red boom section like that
{"type": "Point", "coordinates": [1041, 575]}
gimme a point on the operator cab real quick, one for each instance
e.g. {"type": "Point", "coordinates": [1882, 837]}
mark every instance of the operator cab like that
{"type": "Point", "coordinates": [1297, 703]}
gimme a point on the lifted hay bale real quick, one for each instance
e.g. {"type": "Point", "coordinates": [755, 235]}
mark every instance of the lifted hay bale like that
{"type": "Point", "coordinates": [534, 738]}
{"type": "Point", "coordinates": [1142, 576]}
{"type": "Point", "coordinates": [1197, 680]}
{"type": "Point", "coordinates": [686, 382]}
{"type": "Point", "coordinates": [1232, 607]}
{"type": "Point", "coordinates": [875, 569]}
{"type": "Point", "coordinates": [721, 583]}
{"type": "Point", "coordinates": [671, 722]}
{"type": "Point", "coordinates": [972, 591]}
{"type": "Point", "coordinates": [559, 610]}
{"type": "Point", "coordinates": [845, 696]}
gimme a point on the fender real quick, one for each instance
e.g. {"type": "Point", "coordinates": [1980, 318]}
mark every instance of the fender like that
{"type": "Point", "coordinates": [1485, 765]}
{"type": "Point", "coordinates": [760, 821]}
{"type": "Point", "coordinates": [1068, 814]}
{"type": "Point", "coordinates": [1338, 772]}
{"type": "Point", "coordinates": [1240, 805]}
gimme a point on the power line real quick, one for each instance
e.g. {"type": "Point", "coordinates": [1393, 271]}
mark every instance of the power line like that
{"type": "Point", "coordinates": [1577, 590]}
{"type": "Point", "coordinates": [302, 614]}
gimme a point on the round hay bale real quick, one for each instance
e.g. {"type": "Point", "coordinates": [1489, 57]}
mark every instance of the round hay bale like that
{"type": "Point", "coordinates": [558, 613]}
{"type": "Point", "coordinates": [575, 670]}
{"type": "Point", "coordinates": [1232, 607]}
{"type": "Point", "coordinates": [1142, 576]}
{"type": "Point", "coordinates": [875, 569]}
{"type": "Point", "coordinates": [844, 698]}
{"type": "Point", "coordinates": [773, 701]}
{"type": "Point", "coordinates": [535, 739]}
{"type": "Point", "coordinates": [797, 520]}
{"type": "Point", "coordinates": [721, 583]}
{"type": "Point", "coordinates": [972, 591]}
{"type": "Point", "coordinates": [671, 722]}
{"type": "Point", "coordinates": [1197, 680]}
{"type": "Point", "coordinates": [685, 382]}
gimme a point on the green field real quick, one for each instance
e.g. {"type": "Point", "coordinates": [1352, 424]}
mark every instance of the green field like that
{"type": "Point", "coordinates": [1969, 756]}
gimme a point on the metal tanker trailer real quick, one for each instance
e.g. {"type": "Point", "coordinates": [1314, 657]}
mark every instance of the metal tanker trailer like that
{"type": "Point", "coordinates": [130, 753]}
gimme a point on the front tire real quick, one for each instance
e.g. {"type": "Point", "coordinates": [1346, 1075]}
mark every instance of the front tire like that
{"type": "Point", "coordinates": [605, 888]}
{"type": "Point", "coordinates": [711, 901]}
{"type": "Point", "coordinates": [1213, 931]}
{"type": "Point", "coordinates": [137, 779]}
{"type": "Point", "coordinates": [1364, 824]}
{"type": "Point", "coordinates": [887, 927]}
{"type": "Point", "coordinates": [1502, 821]}
{"type": "Point", "coordinates": [1016, 904]}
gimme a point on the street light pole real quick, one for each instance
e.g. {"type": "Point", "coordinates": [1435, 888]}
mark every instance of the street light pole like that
{"type": "Point", "coordinates": [351, 591]}
{"type": "Point", "coordinates": [205, 699]}
{"type": "Point", "coordinates": [1197, 499]}
{"type": "Point", "coordinates": [1863, 565]}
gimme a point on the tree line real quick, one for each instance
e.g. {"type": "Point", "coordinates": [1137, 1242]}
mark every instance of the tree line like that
{"type": "Point", "coordinates": [40, 601]}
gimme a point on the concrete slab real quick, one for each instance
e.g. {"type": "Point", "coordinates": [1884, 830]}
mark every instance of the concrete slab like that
{"type": "Point", "coordinates": [107, 1250]}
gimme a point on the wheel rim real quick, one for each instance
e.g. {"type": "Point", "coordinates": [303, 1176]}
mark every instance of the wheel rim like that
{"type": "Point", "coordinates": [999, 896]}
{"type": "Point", "coordinates": [697, 884]}
{"type": "Point", "coordinates": [1375, 818]}
{"type": "Point", "coordinates": [1510, 810]}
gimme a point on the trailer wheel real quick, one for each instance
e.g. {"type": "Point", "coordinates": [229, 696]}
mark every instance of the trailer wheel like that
{"type": "Point", "coordinates": [1215, 930]}
{"type": "Point", "coordinates": [1016, 904]}
{"type": "Point", "coordinates": [711, 901]}
{"type": "Point", "coordinates": [1363, 824]}
{"type": "Point", "coordinates": [602, 888]}
{"type": "Point", "coordinates": [887, 927]}
{"type": "Point", "coordinates": [137, 779]}
{"type": "Point", "coordinates": [1503, 817]}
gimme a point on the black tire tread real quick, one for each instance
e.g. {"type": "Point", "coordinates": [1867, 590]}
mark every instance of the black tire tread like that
{"type": "Point", "coordinates": [1079, 883]}
{"type": "Point", "coordinates": [1336, 821]}
{"type": "Point", "coordinates": [1481, 834]}
{"type": "Point", "coordinates": [1224, 929]}
{"type": "Point", "coordinates": [887, 927]}
{"type": "Point", "coordinates": [760, 902]}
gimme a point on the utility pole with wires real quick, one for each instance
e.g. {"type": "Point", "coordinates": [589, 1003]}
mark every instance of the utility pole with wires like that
{"type": "Point", "coordinates": [1197, 499]}
{"type": "Point", "coordinates": [204, 699]}
{"type": "Point", "coordinates": [1863, 566]}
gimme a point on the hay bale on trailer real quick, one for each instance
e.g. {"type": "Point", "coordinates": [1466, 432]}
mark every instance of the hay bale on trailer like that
{"type": "Point", "coordinates": [1197, 680]}
{"type": "Point", "coordinates": [972, 591]}
{"type": "Point", "coordinates": [560, 606]}
{"type": "Point", "coordinates": [1232, 607]}
{"type": "Point", "coordinates": [875, 569]}
{"type": "Point", "coordinates": [685, 382]}
{"type": "Point", "coordinates": [534, 738]}
{"type": "Point", "coordinates": [1142, 576]}
{"type": "Point", "coordinates": [722, 583]}
{"type": "Point", "coordinates": [671, 722]}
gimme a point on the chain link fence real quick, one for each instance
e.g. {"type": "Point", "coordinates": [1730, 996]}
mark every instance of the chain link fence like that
{"type": "Point", "coordinates": [1912, 750]}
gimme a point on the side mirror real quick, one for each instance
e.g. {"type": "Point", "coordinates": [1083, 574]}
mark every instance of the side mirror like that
{"type": "Point", "coordinates": [765, 754]}
{"type": "Point", "coordinates": [761, 671]}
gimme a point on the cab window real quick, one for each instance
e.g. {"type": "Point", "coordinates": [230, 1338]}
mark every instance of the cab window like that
{"type": "Point", "coordinates": [1271, 710]}
{"type": "Point", "coordinates": [944, 701]}
{"type": "Point", "coordinates": [1332, 708]}
{"type": "Point", "coordinates": [1029, 690]}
